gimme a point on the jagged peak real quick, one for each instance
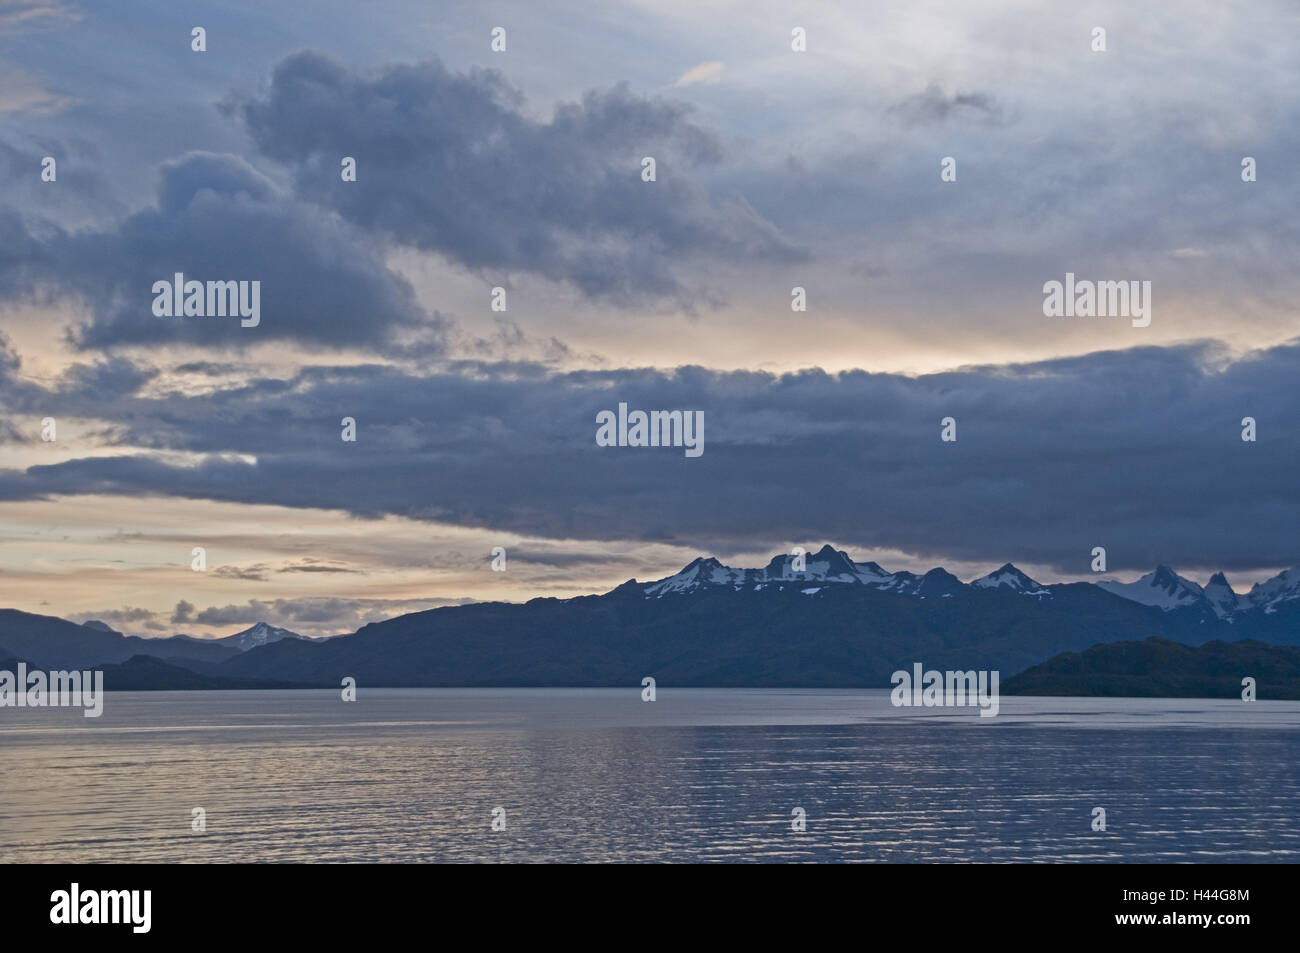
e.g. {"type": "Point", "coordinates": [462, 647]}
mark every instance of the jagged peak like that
{"type": "Point", "coordinates": [825, 565]}
{"type": "Point", "coordinates": [702, 562]}
{"type": "Point", "coordinates": [259, 633]}
{"type": "Point", "coordinates": [1008, 576]}
{"type": "Point", "coordinates": [1162, 588]}
{"type": "Point", "coordinates": [1267, 595]}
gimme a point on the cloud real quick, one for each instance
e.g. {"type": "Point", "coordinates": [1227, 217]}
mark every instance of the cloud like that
{"type": "Point", "coordinates": [253, 573]}
{"type": "Point", "coordinates": [183, 613]}
{"type": "Point", "coordinates": [16, 14]}
{"type": "Point", "coordinates": [450, 163]}
{"type": "Point", "coordinates": [1131, 450]}
{"type": "Point", "coordinates": [315, 615]}
{"type": "Point", "coordinates": [315, 566]}
{"type": "Point", "coordinates": [708, 73]}
{"type": "Point", "coordinates": [323, 284]}
{"type": "Point", "coordinates": [21, 92]}
{"type": "Point", "coordinates": [127, 615]}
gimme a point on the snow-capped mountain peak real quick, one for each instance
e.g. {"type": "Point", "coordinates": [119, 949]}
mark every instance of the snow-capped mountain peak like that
{"type": "Point", "coordinates": [829, 569]}
{"type": "Point", "coordinates": [1009, 577]}
{"type": "Point", "coordinates": [1162, 588]}
{"type": "Point", "coordinates": [827, 565]}
{"type": "Point", "coordinates": [1221, 597]}
{"type": "Point", "coordinates": [1283, 587]}
{"type": "Point", "coordinates": [936, 582]}
{"type": "Point", "coordinates": [698, 573]}
{"type": "Point", "coordinates": [260, 633]}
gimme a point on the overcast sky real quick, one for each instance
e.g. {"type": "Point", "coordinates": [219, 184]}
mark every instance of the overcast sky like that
{"type": "Point", "coordinates": [522, 170]}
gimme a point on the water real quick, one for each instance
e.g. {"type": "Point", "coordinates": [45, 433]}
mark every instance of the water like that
{"type": "Point", "coordinates": [599, 775]}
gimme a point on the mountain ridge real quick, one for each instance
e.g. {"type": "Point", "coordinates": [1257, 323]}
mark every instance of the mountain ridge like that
{"type": "Point", "coordinates": [831, 622]}
{"type": "Point", "coordinates": [1162, 588]}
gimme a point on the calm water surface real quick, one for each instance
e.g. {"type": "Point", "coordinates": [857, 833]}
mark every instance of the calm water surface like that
{"type": "Point", "coordinates": [599, 775]}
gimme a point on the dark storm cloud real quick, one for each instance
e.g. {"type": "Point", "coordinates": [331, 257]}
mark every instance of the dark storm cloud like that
{"type": "Point", "coordinates": [1138, 451]}
{"type": "Point", "coordinates": [116, 377]}
{"type": "Point", "coordinates": [23, 258]}
{"type": "Point", "coordinates": [450, 163]}
{"type": "Point", "coordinates": [323, 284]}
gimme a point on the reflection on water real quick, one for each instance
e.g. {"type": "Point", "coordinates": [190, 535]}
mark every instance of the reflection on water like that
{"type": "Point", "coordinates": [599, 775]}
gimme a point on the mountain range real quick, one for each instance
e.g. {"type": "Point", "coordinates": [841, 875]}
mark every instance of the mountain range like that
{"type": "Point", "coordinates": [832, 622]}
{"type": "Point", "coordinates": [1162, 588]}
{"type": "Point", "coordinates": [54, 643]}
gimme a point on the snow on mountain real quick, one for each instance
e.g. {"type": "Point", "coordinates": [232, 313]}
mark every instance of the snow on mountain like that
{"type": "Point", "coordinates": [936, 582]}
{"type": "Point", "coordinates": [1009, 577]}
{"type": "Point", "coordinates": [1164, 589]}
{"type": "Point", "coordinates": [259, 634]}
{"type": "Point", "coordinates": [1283, 587]}
{"type": "Point", "coordinates": [698, 573]}
{"type": "Point", "coordinates": [1167, 590]}
{"type": "Point", "coordinates": [827, 566]}
{"type": "Point", "coordinates": [1221, 597]}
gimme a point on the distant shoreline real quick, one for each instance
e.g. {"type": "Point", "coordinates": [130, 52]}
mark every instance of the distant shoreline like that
{"type": "Point", "coordinates": [1154, 668]}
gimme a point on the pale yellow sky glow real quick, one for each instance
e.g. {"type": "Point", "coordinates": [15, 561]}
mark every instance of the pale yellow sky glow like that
{"type": "Point", "coordinates": [91, 556]}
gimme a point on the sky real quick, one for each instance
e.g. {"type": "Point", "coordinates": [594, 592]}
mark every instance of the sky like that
{"type": "Point", "coordinates": [522, 169]}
